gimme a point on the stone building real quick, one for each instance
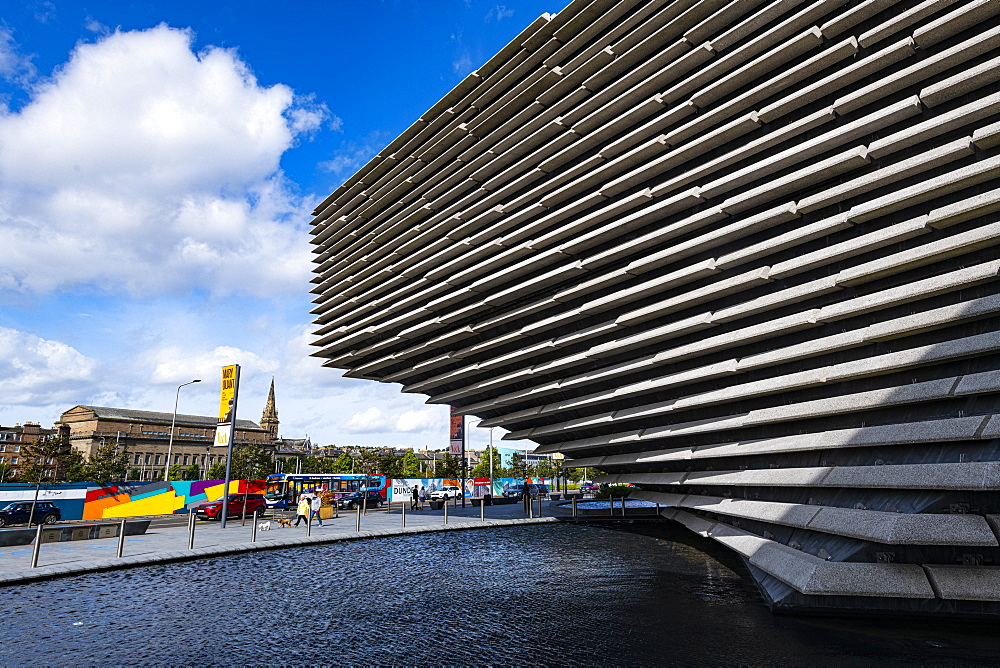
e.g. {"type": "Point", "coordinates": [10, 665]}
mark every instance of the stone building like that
{"type": "Point", "coordinates": [11, 441]}
{"type": "Point", "coordinates": [147, 436]}
{"type": "Point", "coordinates": [743, 255]}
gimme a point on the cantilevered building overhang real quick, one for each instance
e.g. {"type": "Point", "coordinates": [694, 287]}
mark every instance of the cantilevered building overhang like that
{"type": "Point", "coordinates": [742, 254]}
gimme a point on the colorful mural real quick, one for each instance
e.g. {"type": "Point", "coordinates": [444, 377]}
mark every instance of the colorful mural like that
{"type": "Point", "coordinates": [93, 501]}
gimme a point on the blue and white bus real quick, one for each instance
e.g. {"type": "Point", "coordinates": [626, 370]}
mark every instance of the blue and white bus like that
{"type": "Point", "coordinates": [283, 489]}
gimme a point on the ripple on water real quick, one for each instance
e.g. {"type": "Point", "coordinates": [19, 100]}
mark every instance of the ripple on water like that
{"type": "Point", "coordinates": [541, 595]}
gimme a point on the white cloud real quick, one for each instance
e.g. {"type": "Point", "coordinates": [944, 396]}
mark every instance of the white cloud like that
{"type": "Point", "coordinates": [499, 13]}
{"type": "Point", "coordinates": [143, 166]}
{"type": "Point", "coordinates": [374, 420]}
{"type": "Point", "coordinates": [355, 154]}
{"type": "Point", "coordinates": [37, 370]}
{"type": "Point", "coordinates": [14, 66]}
{"type": "Point", "coordinates": [174, 365]}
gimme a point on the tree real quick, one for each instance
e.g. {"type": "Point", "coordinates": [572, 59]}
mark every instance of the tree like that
{"type": "Point", "coordinates": [448, 467]}
{"type": "Point", "coordinates": [51, 458]}
{"type": "Point", "coordinates": [191, 473]}
{"type": "Point", "coordinates": [343, 464]}
{"type": "Point", "coordinates": [546, 468]}
{"type": "Point", "coordinates": [108, 463]}
{"type": "Point", "coordinates": [519, 468]}
{"type": "Point", "coordinates": [409, 465]}
{"type": "Point", "coordinates": [366, 461]}
{"type": "Point", "coordinates": [134, 473]}
{"type": "Point", "coordinates": [482, 469]}
{"type": "Point", "coordinates": [216, 471]}
{"type": "Point", "coordinates": [389, 464]}
{"type": "Point", "coordinates": [174, 472]}
{"type": "Point", "coordinates": [6, 472]}
{"type": "Point", "coordinates": [251, 461]}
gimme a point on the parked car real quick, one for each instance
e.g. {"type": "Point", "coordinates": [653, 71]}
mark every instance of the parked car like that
{"type": "Point", "coordinates": [19, 512]}
{"type": "Point", "coordinates": [254, 504]}
{"type": "Point", "coordinates": [590, 487]}
{"type": "Point", "coordinates": [355, 499]}
{"type": "Point", "coordinates": [535, 490]}
{"type": "Point", "coordinates": [446, 493]}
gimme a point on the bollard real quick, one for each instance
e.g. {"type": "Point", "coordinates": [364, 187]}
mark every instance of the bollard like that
{"type": "Point", "coordinates": [446, 511]}
{"type": "Point", "coordinates": [359, 518]}
{"type": "Point", "coordinates": [573, 503]}
{"type": "Point", "coordinates": [309, 524]}
{"type": "Point", "coordinates": [611, 499]}
{"type": "Point", "coordinates": [482, 510]}
{"type": "Point", "coordinates": [191, 532]}
{"type": "Point", "coordinates": [38, 546]}
{"type": "Point", "coordinates": [657, 508]}
{"type": "Point", "coordinates": [531, 509]}
{"type": "Point", "coordinates": [402, 507]}
{"type": "Point", "coordinates": [539, 506]}
{"type": "Point", "coordinates": [336, 508]}
{"type": "Point", "coordinates": [253, 533]}
{"type": "Point", "coordinates": [121, 539]}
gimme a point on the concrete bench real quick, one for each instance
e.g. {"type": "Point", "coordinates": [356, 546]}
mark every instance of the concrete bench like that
{"type": "Point", "coordinates": [68, 532]}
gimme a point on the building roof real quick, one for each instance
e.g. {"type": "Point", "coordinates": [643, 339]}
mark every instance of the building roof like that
{"type": "Point", "coordinates": [152, 416]}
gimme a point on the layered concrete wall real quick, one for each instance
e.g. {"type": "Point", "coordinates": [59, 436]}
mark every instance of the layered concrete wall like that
{"type": "Point", "coordinates": [742, 254]}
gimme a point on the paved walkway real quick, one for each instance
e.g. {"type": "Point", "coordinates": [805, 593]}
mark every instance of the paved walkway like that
{"type": "Point", "coordinates": [167, 539]}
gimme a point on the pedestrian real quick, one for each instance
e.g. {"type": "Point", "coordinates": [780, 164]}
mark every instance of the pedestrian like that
{"type": "Point", "coordinates": [416, 497]}
{"type": "Point", "coordinates": [317, 503]}
{"type": "Point", "coordinates": [305, 506]}
{"type": "Point", "coordinates": [423, 497]}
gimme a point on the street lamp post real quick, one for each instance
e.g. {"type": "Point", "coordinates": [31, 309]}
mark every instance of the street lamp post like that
{"type": "Point", "coordinates": [173, 422]}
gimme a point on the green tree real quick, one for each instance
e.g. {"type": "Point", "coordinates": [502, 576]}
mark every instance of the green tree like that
{"type": "Point", "coordinates": [366, 461]}
{"type": "Point", "coordinates": [50, 458]}
{"type": "Point", "coordinates": [175, 472]}
{"type": "Point", "coordinates": [134, 473]}
{"type": "Point", "coordinates": [251, 461]}
{"type": "Point", "coordinates": [519, 467]}
{"type": "Point", "coordinates": [389, 464]}
{"type": "Point", "coordinates": [546, 468]}
{"type": "Point", "coordinates": [343, 464]}
{"type": "Point", "coordinates": [6, 472]}
{"type": "Point", "coordinates": [482, 469]}
{"type": "Point", "coordinates": [191, 473]}
{"type": "Point", "coordinates": [449, 467]}
{"type": "Point", "coordinates": [216, 471]}
{"type": "Point", "coordinates": [312, 464]}
{"type": "Point", "coordinates": [409, 465]}
{"type": "Point", "coordinates": [108, 463]}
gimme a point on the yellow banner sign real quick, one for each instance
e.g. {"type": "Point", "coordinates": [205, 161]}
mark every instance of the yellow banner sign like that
{"type": "Point", "coordinates": [227, 399]}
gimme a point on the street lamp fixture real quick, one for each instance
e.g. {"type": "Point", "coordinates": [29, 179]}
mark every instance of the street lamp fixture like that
{"type": "Point", "coordinates": [170, 444]}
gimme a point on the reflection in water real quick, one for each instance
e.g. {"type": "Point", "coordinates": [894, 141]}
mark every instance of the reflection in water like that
{"type": "Point", "coordinates": [539, 595]}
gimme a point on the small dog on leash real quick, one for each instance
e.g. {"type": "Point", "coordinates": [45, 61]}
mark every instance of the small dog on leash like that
{"type": "Point", "coordinates": [285, 522]}
{"type": "Point", "coordinates": [265, 526]}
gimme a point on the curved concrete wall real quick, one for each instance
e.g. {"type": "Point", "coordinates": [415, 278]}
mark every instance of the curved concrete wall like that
{"type": "Point", "coordinates": [743, 254]}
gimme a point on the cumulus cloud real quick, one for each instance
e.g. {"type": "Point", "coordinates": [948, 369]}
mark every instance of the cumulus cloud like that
{"type": "Point", "coordinates": [375, 420]}
{"type": "Point", "coordinates": [146, 167]}
{"type": "Point", "coordinates": [173, 365]}
{"type": "Point", "coordinates": [37, 370]}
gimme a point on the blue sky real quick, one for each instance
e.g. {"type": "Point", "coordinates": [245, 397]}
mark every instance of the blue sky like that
{"type": "Point", "coordinates": [158, 165]}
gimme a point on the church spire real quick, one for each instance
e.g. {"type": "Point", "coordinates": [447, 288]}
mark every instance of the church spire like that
{"type": "Point", "coordinates": [269, 420]}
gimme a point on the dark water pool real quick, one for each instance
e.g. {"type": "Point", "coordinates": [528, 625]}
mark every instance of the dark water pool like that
{"type": "Point", "coordinates": [535, 595]}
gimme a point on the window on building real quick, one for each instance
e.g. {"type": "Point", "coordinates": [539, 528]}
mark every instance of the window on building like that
{"type": "Point", "coordinates": [148, 460]}
{"type": "Point", "coordinates": [17, 448]}
{"type": "Point", "coordinates": [185, 460]}
{"type": "Point", "coordinates": [157, 460]}
{"type": "Point", "coordinates": [3, 447]}
{"type": "Point", "coordinates": [177, 459]}
{"type": "Point", "coordinates": [13, 460]}
{"type": "Point", "coordinates": [138, 459]}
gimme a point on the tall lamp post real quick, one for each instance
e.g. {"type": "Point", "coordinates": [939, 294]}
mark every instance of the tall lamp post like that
{"type": "Point", "coordinates": [170, 444]}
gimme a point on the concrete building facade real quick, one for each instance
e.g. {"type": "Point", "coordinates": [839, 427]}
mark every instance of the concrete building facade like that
{"type": "Point", "coordinates": [741, 253]}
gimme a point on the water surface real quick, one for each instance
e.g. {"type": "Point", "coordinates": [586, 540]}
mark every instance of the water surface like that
{"type": "Point", "coordinates": [533, 595]}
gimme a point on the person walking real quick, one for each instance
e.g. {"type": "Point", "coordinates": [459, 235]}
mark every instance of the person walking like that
{"type": "Point", "coordinates": [317, 503]}
{"type": "Point", "coordinates": [423, 497]}
{"type": "Point", "coordinates": [305, 506]}
{"type": "Point", "coordinates": [416, 497]}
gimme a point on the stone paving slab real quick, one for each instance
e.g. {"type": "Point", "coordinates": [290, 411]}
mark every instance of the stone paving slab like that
{"type": "Point", "coordinates": [167, 544]}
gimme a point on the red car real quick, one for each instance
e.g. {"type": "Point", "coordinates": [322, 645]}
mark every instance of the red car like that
{"type": "Point", "coordinates": [590, 487]}
{"type": "Point", "coordinates": [212, 510]}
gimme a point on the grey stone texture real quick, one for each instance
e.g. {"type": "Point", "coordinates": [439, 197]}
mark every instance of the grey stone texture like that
{"type": "Point", "coordinates": [692, 242]}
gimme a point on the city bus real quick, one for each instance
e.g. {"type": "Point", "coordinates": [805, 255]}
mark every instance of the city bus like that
{"type": "Point", "coordinates": [283, 489]}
